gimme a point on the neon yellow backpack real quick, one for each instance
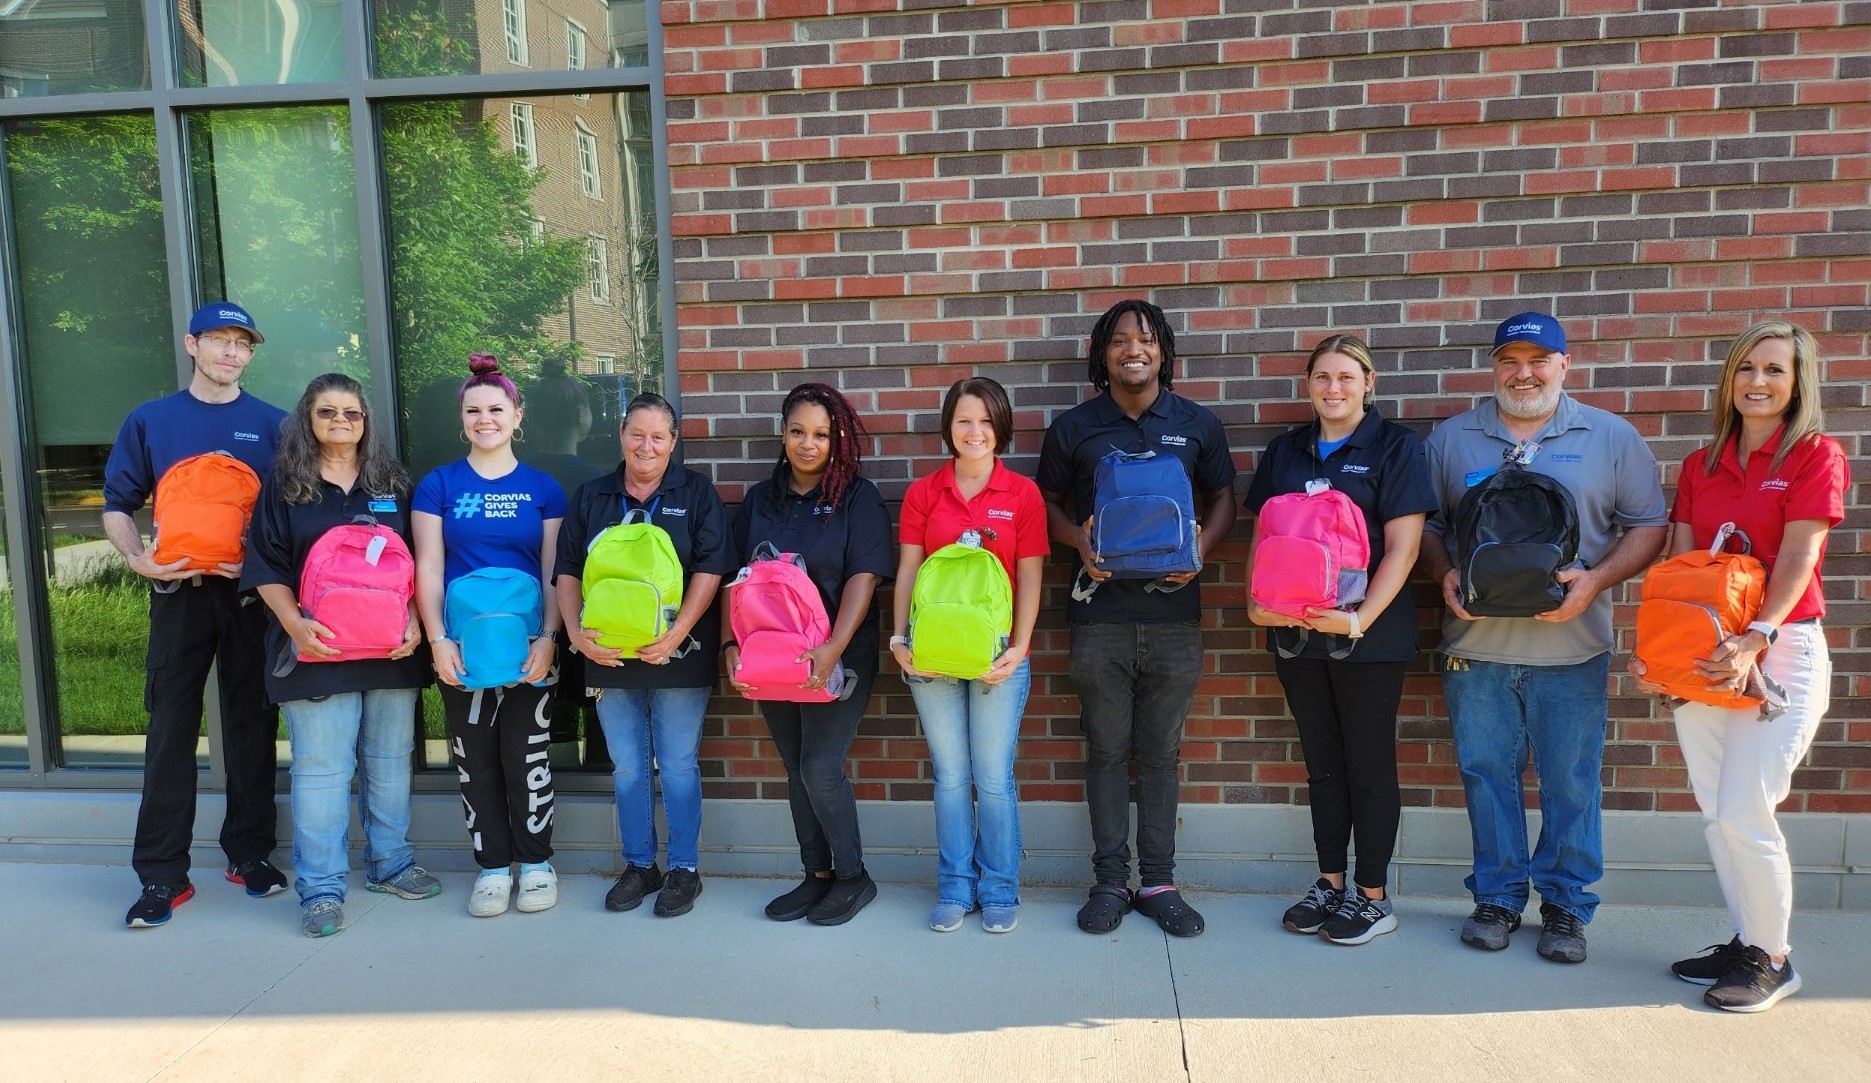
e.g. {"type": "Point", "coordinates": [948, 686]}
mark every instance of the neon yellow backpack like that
{"type": "Point", "coordinates": [632, 584]}
{"type": "Point", "coordinates": [961, 610]}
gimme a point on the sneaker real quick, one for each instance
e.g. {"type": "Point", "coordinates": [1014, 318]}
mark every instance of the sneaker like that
{"type": "Point", "coordinates": [492, 892]}
{"type": "Point", "coordinates": [1306, 915]}
{"type": "Point", "coordinates": [1708, 968]}
{"type": "Point", "coordinates": [1752, 984]}
{"type": "Point", "coordinates": [157, 903]}
{"type": "Point", "coordinates": [260, 878]}
{"type": "Point", "coordinates": [412, 883]}
{"type": "Point", "coordinates": [999, 919]}
{"type": "Point", "coordinates": [636, 882]}
{"type": "Point", "coordinates": [947, 917]}
{"type": "Point", "coordinates": [844, 900]}
{"type": "Point", "coordinates": [799, 902]}
{"type": "Point", "coordinates": [1105, 909]}
{"type": "Point", "coordinates": [1562, 935]}
{"type": "Point", "coordinates": [539, 888]}
{"type": "Point", "coordinates": [680, 890]}
{"type": "Point", "coordinates": [1169, 910]}
{"type": "Point", "coordinates": [322, 917]}
{"type": "Point", "coordinates": [1358, 919]}
{"type": "Point", "coordinates": [1489, 926]}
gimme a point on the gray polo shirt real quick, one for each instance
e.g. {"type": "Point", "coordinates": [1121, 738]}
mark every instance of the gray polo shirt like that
{"type": "Point", "coordinates": [1613, 479]}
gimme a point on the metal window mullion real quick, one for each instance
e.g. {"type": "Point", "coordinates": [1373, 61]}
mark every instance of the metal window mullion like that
{"type": "Point", "coordinates": [509, 84]}
{"type": "Point", "coordinates": [665, 246]}
{"type": "Point", "coordinates": [111, 101]}
{"type": "Point", "coordinates": [372, 224]}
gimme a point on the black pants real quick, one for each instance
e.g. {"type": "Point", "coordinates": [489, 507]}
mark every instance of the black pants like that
{"type": "Point", "coordinates": [500, 738]}
{"type": "Point", "coordinates": [1347, 718]}
{"type": "Point", "coordinates": [1135, 683]}
{"type": "Point", "coordinates": [191, 628]}
{"type": "Point", "coordinates": [813, 741]}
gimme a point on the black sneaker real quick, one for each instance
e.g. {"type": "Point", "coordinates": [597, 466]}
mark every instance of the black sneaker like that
{"type": "Point", "coordinates": [260, 878]}
{"type": "Point", "coordinates": [1708, 968]}
{"type": "Point", "coordinates": [158, 902]}
{"type": "Point", "coordinates": [1170, 911]}
{"type": "Point", "coordinates": [680, 889]}
{"type": "Point", "coordinates": [1562, 935]}
{"type": "Point", "coordinates": [1358, 919]}
{"type": "Point", "coordinates": [1489, 926]}
{"type": "Point", "coordinates": [1306, 915]}
{"type": "Point", "coordinates": [1752, 984]}
{"type": "Point", "coordinates": [799, 902]}
{"type": "Point", "coordinates": [844, 900]}
{"type": "Point", "coordinates": [628, 892]}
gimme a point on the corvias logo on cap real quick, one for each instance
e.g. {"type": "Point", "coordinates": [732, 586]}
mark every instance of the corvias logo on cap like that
{"type": "Point", "coordinates": [230, 314]}
{"type": "Point", "coordinates": [1519, 327]}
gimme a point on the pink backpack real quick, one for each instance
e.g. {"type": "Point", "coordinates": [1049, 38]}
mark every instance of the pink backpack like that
{"type": "Point", "coordinates": [1313, 551]}
{"type": "Point", "coordinates": [776, 615]}
{"type": "Point", "coordinates": [357, 581]}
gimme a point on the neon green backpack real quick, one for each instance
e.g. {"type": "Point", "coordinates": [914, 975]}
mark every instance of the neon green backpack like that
{"type": "Point", "coordinates": [632, 584]}
{"type": "Point", "coordinates": [961, 610]}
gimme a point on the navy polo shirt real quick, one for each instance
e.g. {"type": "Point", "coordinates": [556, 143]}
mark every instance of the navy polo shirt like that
{"type": "Point", "coordinates": [1384, 469]}
{"type": "Point", "coordinates": [686, 506]}
{"type": "Point", "coordinates": [1172, 425]}
{"type": "Point", "coordinates": [836, 543]}
{"type": "Point", "coordinates": [277, 542]}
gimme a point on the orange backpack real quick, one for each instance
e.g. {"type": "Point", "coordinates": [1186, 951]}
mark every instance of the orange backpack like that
{"type": "Point", "coordinates": [203, 504]}
{"type": "Point", "coordinates": [1691, 603]}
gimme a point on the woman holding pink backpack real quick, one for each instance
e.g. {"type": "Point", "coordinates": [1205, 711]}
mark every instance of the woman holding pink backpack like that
{"type": "Point", "coordinates": [349, 710]}
{"type": "Point", "coordinates": [818, 508]}
{"type": "Point", "coordinates": [1341, 651]}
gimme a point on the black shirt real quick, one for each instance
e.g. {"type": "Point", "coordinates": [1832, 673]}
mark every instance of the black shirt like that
{"type": "Point", "coordinates": [1383, 468]}
{"type": "Point", "coordinates": [1172, 425]}
{"type": "Point", "coordinates": [836, 544]}
{"type": "Point", "coordinates": [687, 507]}
{"type": "Point", "coordinates": [277, 542]}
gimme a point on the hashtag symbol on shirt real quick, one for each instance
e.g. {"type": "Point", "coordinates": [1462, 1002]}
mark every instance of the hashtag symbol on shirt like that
{"type": "Point", "coordinates": [468, 505]}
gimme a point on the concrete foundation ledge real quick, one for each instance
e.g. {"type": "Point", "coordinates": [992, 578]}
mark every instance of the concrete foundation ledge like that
{"type": "Point", "coordinates": [1652, 859]}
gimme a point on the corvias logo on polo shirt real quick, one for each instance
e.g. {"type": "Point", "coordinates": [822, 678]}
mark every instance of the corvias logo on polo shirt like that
{"type": "Point", "coordinates": [1354, 468]}
{"type": "Point", "coordinates": [678, 512]}
{"type": "Point", "coordinates": [248, 437]}
{"type": "Point", "coordinates": [1170, 438]}
{"type": "Point", "coordinates": [1780, 484]}
{"type": "Point", "coordinates": [1000, 513]}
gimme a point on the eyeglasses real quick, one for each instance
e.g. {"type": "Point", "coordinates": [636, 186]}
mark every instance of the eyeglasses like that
{"type": "Point", "coordinates": [227, 342]}
{"type": "Point", "coordinates": [330, 413]}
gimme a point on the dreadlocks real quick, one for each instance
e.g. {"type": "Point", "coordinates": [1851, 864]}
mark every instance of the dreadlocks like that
{"type": "Point", "coordinates": [847, 441]}
{"type": "Point", "coordinates": [1152, 320]}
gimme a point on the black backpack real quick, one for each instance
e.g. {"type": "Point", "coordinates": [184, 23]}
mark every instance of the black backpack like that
{"type": "Point", "coordinates": [1513, 533]}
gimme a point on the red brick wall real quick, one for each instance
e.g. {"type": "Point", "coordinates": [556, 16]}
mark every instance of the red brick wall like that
{"type": "Point", "coordinates": [891, 195]}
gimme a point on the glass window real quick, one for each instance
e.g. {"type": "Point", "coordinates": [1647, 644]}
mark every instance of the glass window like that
{"type": "Point", "coordinates": [588, 162]}
{"type": "Point", "coordinates": [575, 51]}
{"type": "Point", "coordinates": [523, 143]}
{"type": "Point", "coordinates": [455, 37]}
{"type": "Point", "coordinates": [50, 47]}
{"type": "Point", "coordinates": [599, 266]}
{"type": "Point", "coordinates": [259, 42]}
{"type": "Point", "coordinates": [87, 206]}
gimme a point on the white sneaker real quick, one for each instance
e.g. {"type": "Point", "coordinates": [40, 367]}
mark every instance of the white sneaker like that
{"type": "Point", "coordinates": [490, 896]}
{"type": "Point", "coordinates": [539, 890]}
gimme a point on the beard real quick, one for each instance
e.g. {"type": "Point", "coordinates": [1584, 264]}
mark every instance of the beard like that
{"type": "Point", "coordinates": [1542, 405]}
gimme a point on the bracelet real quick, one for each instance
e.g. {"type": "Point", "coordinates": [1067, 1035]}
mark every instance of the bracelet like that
{"type": "Point", "coordinates": [726, 643]}
{"type": "Point", "coordinates": [899, 641]}
{"type": "Point", "coordinates": [439, 639]}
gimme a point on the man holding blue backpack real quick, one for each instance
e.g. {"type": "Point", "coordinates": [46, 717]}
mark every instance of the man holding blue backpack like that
{"type": "Point", "coordinates": [1119, 474]}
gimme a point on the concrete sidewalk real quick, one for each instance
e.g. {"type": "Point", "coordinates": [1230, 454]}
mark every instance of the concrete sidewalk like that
{"type": "Point", "coordinates": [230, 990]}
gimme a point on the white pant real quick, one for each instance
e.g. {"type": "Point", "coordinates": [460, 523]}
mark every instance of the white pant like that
{"type": "Point", "coordinates": [1741, 768]}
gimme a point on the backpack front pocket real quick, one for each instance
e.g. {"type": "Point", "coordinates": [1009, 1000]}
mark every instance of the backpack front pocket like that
{"type": "Point", "coordinates": [1671, 636]}
{"type": "Point", "coordinates": [1137, 525]}
{"type": "Point", "coordinates": [954, 641]}
{"type": "Point", "coordinates": [493, 649]}
{"type": "Point", "coordinates": [627, 613]}
{"type": "Point", "coordinates": [1513, 579]}
{"type": "Point", "coordinates": [1292, 573]}
{"type": "Point", "coordinates": [769, 660]}
{"type": "Point", "coordinates": [365, 622]}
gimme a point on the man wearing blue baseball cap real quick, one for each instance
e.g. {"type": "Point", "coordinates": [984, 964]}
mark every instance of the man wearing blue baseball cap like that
{"type": "Point", "coordinates": [1537, 683]}
{"type": "Point", "coordinates": [198, 616]}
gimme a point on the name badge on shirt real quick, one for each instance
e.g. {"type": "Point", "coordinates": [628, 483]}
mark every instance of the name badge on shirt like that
{"type": "Point", "coordinates": [382, 503]}
{"type": "Point", "coordinates": [1476, 477]}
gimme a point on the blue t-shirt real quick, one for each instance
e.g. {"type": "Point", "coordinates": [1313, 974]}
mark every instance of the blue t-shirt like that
{"type": "Point", "coordinates": [496, 523]}
{"type": "Point", "coordinates": [163, 432]}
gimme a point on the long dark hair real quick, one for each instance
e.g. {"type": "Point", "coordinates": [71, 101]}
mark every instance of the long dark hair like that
{"type": "Point", "coordinates": [1153, 321]}
{"type": "Point", "coordinates": [295, 467]}
{"type": "Point", "coordinates": [847, 440]}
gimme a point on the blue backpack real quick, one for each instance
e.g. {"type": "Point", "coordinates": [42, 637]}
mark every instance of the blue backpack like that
{"type": "Point", "coordinates": [1143, 520]}
{"type": "Point", "coordinates": [493, 614]}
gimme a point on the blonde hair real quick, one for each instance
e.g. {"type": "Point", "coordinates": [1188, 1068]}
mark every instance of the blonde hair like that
{"type": "Point", "coordinates": [1803, 416]}
{"type": "Point", "coordinates": [1353, 347]}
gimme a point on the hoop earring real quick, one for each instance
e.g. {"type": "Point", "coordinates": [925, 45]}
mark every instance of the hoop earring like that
{"type": "Point", "coordinates": [519, 436]}
{"type": "Point", "coordinates": [463, 437]}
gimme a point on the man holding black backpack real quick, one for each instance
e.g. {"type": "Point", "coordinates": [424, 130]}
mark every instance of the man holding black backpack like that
{"type": "Point", "coordinates": [1136, 653]}
{"type": "Point", "coordinates": [1528, 673]}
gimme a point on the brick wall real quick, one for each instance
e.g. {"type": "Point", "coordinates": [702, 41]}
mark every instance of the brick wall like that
{"type": "Point", "coordinates": [891, 195]}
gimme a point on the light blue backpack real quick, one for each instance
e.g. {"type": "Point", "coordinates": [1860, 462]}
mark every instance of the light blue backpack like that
{"type": "Point", "coordinates": [493, 615]}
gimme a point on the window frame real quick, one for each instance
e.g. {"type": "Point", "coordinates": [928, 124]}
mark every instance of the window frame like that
{"type": "Point", "coordinates": [520, 117]}
{"type": "Point", "coordinates": [513, 24]}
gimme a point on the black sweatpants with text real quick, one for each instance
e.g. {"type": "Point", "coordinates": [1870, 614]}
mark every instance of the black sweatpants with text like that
{"type": "Point", "coordinates": [501, 738]}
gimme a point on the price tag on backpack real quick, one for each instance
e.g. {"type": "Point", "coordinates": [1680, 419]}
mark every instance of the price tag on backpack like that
{"type": "Point", "coordinates": [374, 551]}
{"type": "Point", "coordinates": [1317, 486]}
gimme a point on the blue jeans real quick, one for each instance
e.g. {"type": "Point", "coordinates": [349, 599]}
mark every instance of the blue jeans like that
{"type": "Point", "coordinates": [1500, 712]}
{"type": "Point", "coordinates": [367, 734]}
{"type": "Point", "coordinates": [663, 725]}
{"type": "Point", "coordinates": [972, 728]}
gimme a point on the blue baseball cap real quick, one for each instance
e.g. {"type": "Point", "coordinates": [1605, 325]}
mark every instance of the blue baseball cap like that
{"type": "Point", "coordinates": [218, 314]}
{"type": "Point", "coordinates": [1535, 327]}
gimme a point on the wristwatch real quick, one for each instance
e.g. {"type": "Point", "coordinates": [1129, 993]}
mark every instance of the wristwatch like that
{"type": "Point", "coordinates": [1770, 632]}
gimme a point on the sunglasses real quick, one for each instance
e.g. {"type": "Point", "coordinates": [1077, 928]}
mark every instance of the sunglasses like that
{"type": "Point", "coordinates": [330, 413]}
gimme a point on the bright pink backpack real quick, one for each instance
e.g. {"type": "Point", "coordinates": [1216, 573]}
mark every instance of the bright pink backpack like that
{"type": "Point", "coordinates": [357, 581]}
{"type": "Point", "coordinates": [1313, 551]}
{"type": "Point", "coordinates": [776, 615]}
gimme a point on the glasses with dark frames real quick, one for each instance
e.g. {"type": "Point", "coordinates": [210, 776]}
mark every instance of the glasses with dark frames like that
{"type": "Point", "coordinates": [330, 413]}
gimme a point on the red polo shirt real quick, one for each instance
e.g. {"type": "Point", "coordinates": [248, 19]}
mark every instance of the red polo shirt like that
{"type": "Point", "coordinates": [1810, 484]}
{"type": "Point", "coordinates": [1009, 513]}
